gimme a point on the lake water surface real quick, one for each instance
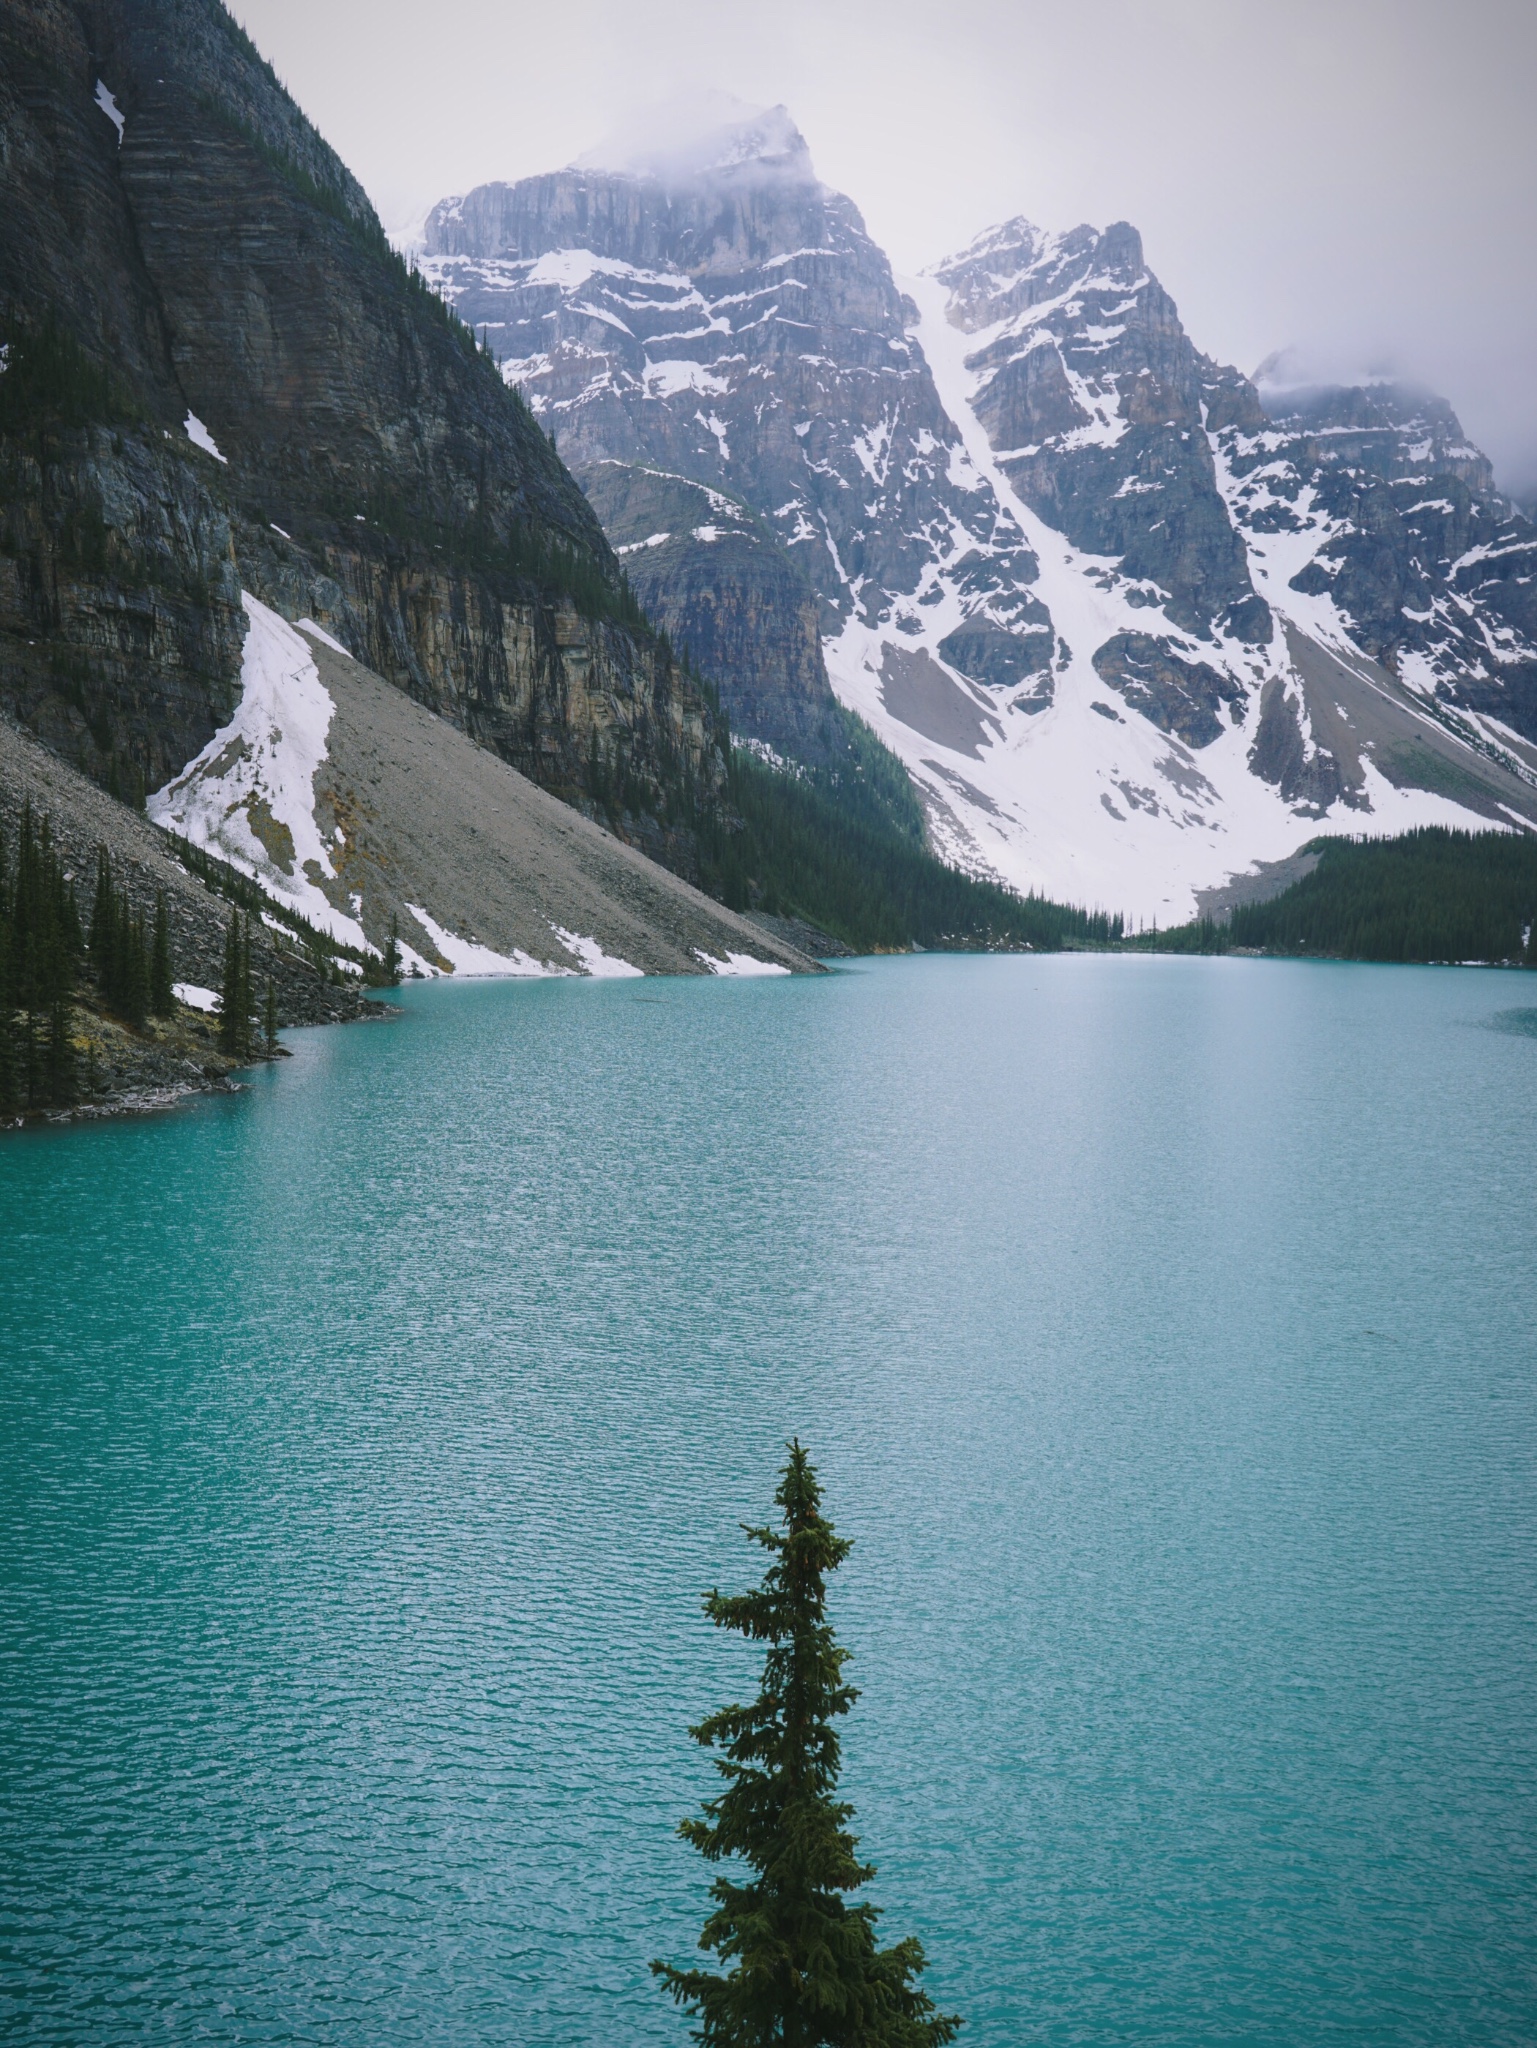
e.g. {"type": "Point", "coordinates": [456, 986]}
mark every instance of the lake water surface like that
{"type": "Point", "coordinates": [1166, 1335]}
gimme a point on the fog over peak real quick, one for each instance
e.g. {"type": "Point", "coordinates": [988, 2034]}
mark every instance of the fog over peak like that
{"type": "Point", "coordinates": [697, 134]}
{"type": "Point", "coordinates": [1359, 183]}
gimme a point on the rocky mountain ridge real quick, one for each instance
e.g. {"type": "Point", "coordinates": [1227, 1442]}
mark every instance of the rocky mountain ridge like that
{"type": "Point", "coordinates": [1132, 625]}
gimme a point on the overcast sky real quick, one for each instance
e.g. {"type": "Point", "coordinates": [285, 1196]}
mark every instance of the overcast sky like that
{"type": "Point", "coordinates": [1355, 178]}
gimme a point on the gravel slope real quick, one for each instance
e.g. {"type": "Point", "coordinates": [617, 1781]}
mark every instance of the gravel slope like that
{"type": "Point", "coordinates": [433, 822]}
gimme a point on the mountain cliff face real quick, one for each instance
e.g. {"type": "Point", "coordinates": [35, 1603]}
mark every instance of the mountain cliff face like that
{"type": "Point", "coordinates": [218, 376]}
{"type": "Point", "coordinates": [1433, 573]}
{"type": "Point", "coordinates": [713, 574]}
{"type": "Point", "coordinates": [1132, 624]}
{"type": "Point", "coordinates": [1094, 404]}
{"type": "Point", "coordinates": [724, 318]}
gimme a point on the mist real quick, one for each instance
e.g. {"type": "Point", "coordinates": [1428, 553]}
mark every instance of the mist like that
{"type": "Point", "coordinates": [1357, 182]}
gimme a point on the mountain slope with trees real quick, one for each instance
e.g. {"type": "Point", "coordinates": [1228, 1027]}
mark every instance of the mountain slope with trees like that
{"type": "Point", "coordinates": [1432, 895]}
{"type": "Point", "coordinates": [216, 378]}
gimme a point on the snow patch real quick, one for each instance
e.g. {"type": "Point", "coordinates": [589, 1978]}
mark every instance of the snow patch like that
{"type": "Point", "coordinates": [249, 796]}
{"type": "Point", "coordinates": [109, 107]}
{"type": "Point", "coordinates": [603, 966]}
{"type": "Point", "coordinates": [200, 437]}
{"type": "Point", "coordinates": [470, 961]}
{"type": "Point", "coordinates": [676, 373]}
{"type": "Point", "coordinates": [195, 998]}
{"type": "Point", "coordinates": [320, 633]}
{"type": "Point", "coordinates": [744, 964]}
{"type": "Point", "coordinates": [569, 269]}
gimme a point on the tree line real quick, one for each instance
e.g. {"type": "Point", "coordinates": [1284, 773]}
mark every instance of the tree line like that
{"type": "Point", "coordinates": [41, 948]}
{"type": "Point", "coordinates": [120, 962]}
{"type": "Point", "coordinates": [1433, 894]}
{"type": "Point", "coordinates": [802, 848]}
{"type": "Point", "coordinates": [239, 1034]}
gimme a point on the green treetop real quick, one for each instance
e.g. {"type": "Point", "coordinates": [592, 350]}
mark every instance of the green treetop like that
{"type": "Point", "coordinates": [803, 1968]}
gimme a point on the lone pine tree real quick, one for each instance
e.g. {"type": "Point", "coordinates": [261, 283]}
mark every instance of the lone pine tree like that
{"type": "Point", "coordinates": [803, 1969]}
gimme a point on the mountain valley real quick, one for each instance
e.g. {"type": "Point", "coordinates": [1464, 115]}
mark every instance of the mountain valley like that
{"type": "Point", "coordinates": [640, 576]}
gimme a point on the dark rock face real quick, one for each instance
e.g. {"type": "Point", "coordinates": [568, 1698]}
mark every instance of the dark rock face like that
{"type": "Point", "coordinates": [120, 619]}
{"type": "Point", "coordinates": [1002, 661]}
{"type": "Point", "coordinates": [1281, 756]}
{"type": "Point", "coordinates": [120, 622]}
{"type": "Point", "coordinates": [1091, 395]}
{"type": "Point", "coordinates": [1434, 573]}
{"type": "Point", "coordinates": [716, 577]}
{"type": "Point", "coordinates": [736, 327]}
{"type": "Point", "coordinates": [376, 473]}
{"type": "Point", "coordinates": [1176, 694]}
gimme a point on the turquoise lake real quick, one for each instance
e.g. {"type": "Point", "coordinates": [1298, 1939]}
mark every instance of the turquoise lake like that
{"type": "Point", "coordinates": [1165, 1332]}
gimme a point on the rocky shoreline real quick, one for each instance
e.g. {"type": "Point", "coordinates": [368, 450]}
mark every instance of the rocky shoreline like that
{"type": "Point", "coordinates": [127, 1073]}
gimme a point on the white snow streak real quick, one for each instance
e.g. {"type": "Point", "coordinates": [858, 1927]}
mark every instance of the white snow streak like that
{"type": "Point", "coordinates": [602, 966]}
{"type": "Point", "coordinates": [468, 960]}
{"type": "Point", "coordinates": [1110, 813]}
{"type": "Point", "coordinates": [320, 633]}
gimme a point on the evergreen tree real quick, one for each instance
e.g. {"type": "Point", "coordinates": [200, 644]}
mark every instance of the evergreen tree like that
{"type": "Point", "coordinates": [229, 991]}
{"type": "Point", "coordinates": [804, 1969]}
{"type": "Point", "coordinates": [235, 990]}
{"type": "Point", "coordinates": [133, 1000]}
{"type": "Point", "coordinates": [162, 999]}
{"type": "Point", "coordinates": [120, 949]}
{"type": "Point", "coordinates": [39, 956]}
{"type": "Point", "coordinates": [247, 1001]}
{"type": "Point", "coordinates": [270, 1019]}
{"type": "Point", "coordinates": [392, 954]}
{"type": "Point", "coordinates": [62, 1082]}
{"type": "Point", "coordinates": [9, 1086]}
{"type": "Point", "coordinates": [104, 923]}
{"type": "Point", "coordinates": [1431, 894]}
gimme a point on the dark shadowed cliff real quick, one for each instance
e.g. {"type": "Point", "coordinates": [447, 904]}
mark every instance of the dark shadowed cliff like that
{"type": "Point", "coordinates": [186, 267]}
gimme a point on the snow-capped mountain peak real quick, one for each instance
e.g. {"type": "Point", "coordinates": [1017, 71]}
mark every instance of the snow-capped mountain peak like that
{"type": "Point", "coordinates": [1128, 631]}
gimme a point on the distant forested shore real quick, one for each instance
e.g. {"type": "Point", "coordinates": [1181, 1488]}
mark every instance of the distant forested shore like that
{"type": "Point", "coordinates": [1433, 895]}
